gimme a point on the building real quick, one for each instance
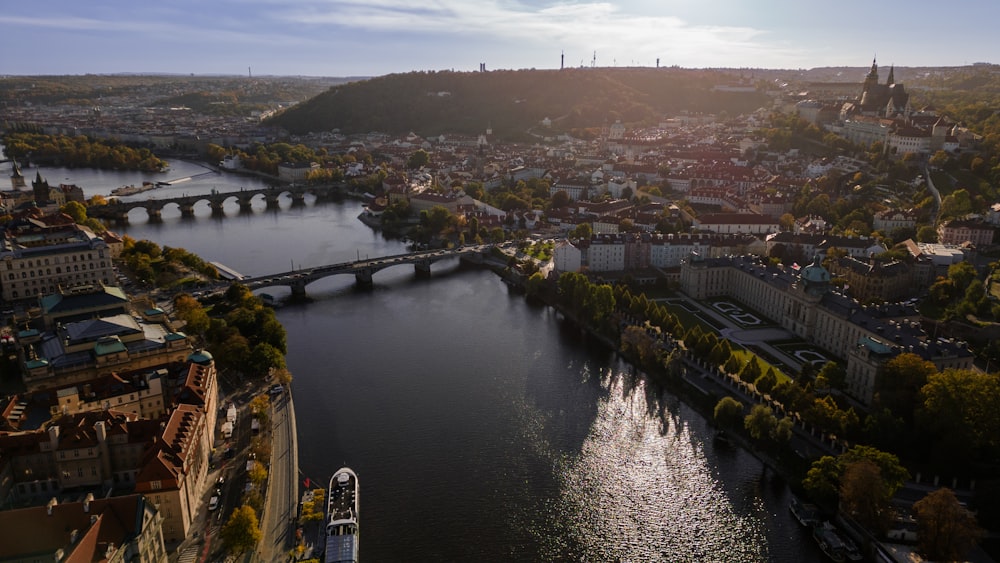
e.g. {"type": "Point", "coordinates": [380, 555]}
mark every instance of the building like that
{"type": "Point", "coordinates": [79, 351]}
{"type": "Point", "coordinates": [737, 223]}
{"type": "Point", "coordinates": [874, 280]}
{"type": "Point", "coordinates": [175, 469]}
{"type": "Point", "coordinates": [957, 231]}
{"type": "Point", "coordinates": [42, 254]}
{"type": "Point", "coordinates": [803, 302]}
{"type": "Point", "coordinates": [116, 530]}
{"type": "Point", "coordinates": [296, 171]}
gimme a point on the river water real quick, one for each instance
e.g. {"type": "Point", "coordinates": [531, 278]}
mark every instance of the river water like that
{"type": "Point", "coordinates": [482, 428]}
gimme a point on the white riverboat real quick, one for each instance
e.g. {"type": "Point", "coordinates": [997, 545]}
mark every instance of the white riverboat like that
{"type": "Point", "coordinates": [342, 517]}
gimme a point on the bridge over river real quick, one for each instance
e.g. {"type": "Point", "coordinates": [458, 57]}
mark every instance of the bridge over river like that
{"type": "Point", "coordinates": [363, 270]}
{"type": "Point", "coordinates": [118, 210]}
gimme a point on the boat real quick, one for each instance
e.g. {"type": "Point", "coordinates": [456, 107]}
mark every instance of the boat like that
{"type": "Point", "coordinates": [830, 542]}
{"type": "Point", "coordinates": [342, 517]}
{"type": "Point", "coordinates": [132, 190]}
{"type": "Point", "coordinates": [807, 514]}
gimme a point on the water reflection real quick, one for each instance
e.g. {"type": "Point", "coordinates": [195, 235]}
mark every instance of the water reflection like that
{"type": "Point", "coordinates": [642, 489]}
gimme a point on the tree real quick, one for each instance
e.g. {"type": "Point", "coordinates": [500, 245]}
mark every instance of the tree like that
{"type": "Point", "coordinates": [947, 530]}
{"type": "Point", "coordinates": [898, 386]}
{"type": "Point", "coordinates": [959, 415]}
{"type": "Point", "coordinates": [76, 210]}
{"type": "Point", "coordinates": [283, 376]}
{"type": "Point", "coordinates": [257, 473]}
{"type": "Point", "coordinates": [863, 495]}
{"type": "Point", "coordinates": [559, 199]}
{"type": "Point", "coordinates": [241, 533]}
{"type": "Point", "coordinates": [264, 357]}
{"type": "Point", "coordinates": [766, 382]}
{"type": "Point", "coordinates": [750, 371]}
{"type": "Point", "coordinates": [259, 406]}
{"type": "Point", "coordinates": [418, 159]}
{"type": "Point", "coordinates": [728, 412]}
{"type": "Point", "coordinates": [927, 234]}
{"type": "Point", "coordinates": [761, 422]}
{"type": "Point", "coordinates": [583, 231]}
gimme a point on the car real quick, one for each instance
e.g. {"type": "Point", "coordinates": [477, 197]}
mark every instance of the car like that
{"type": "Point", "coordinates": [276, 389]}
{"type": "Point", "coordinates": [230, 453]}
{"type": "Point", "coordinates": [213, 502]}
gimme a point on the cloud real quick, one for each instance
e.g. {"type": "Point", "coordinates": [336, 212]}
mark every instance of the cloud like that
{"type": "Point", "coordinates": [581, 26]}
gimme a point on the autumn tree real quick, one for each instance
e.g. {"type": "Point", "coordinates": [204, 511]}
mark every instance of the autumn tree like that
{"type": "Point", "coordinates": [947, 530]}
{"type": "Point", "coordinates": [241, 533]}
{"type": "Point", "coordinates": [863, 495]}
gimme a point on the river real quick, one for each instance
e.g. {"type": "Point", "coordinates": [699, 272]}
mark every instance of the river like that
{"type": "Point", "coordinates": [482, 428]}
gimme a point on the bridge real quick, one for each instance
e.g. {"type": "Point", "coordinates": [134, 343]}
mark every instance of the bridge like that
{"type": "Point", "coordinates": [363, 270]}
{"type": "Point", "coordinates": [117, 210]}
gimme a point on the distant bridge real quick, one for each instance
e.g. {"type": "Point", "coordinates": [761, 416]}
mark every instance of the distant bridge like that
{"type": "Point", "coordinates": [363, 270]}
{"type": "Point", "coordinates": [117, 210]}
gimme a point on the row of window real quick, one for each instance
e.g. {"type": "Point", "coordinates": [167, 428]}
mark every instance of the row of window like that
{"type": "Point", "coordinates": [56, 260]}
{"type": "Point", "coordinates": [48, 271]}
{"type": "Point", "coordinates": [33, 291]}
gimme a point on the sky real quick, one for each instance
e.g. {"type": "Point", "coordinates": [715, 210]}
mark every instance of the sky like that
{"type": "Point", "coordinates": [375, 37]}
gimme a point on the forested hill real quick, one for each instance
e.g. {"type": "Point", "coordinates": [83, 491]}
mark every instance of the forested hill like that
{"type": "Point", "coordinates": [431, 103]}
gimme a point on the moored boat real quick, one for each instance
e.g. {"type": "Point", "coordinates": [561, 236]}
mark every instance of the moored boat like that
{"type": "Point", "coordinates": [807, 514]}
{"type": "Point", "coordinates": [342, 517]}
{"type": "Point", "coordinates": [830, 542]}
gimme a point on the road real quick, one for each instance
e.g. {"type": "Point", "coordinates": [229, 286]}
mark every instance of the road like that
{"type": "Point", "coordinates": [281, 504]}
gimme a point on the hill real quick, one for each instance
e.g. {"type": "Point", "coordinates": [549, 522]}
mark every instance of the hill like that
{"type": "Point", "coordinates": [432, 103]}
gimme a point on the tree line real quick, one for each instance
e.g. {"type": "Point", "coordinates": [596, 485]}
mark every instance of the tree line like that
{"type": "Point", "coordinates": [80, 152]}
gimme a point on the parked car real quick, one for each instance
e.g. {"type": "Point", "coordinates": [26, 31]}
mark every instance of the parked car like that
{"type": "Point", "coordinates": [276, 389]}
{"type": "Point", "coordinates": [213, 502]}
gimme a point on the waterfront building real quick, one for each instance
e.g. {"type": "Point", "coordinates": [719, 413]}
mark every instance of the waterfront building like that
{"type": "Point", "coordinates": [803, 302]}
{"type": "Point", "coordinates": [115, 530]}
{"type": "Point", "coordinates": [43, 253]}
{"type": "Point", "coordinates": [175, 469]}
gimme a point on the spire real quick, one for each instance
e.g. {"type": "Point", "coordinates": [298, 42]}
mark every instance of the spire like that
{"type": "Point", "coordinates": [892, 79]}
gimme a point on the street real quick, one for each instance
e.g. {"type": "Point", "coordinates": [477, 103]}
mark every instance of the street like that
{"type": "Point", "coordinates": [280, 507]}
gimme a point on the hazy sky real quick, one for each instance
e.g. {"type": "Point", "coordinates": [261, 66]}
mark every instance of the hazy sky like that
{"type": "Point", "coordinates": [372, 37]}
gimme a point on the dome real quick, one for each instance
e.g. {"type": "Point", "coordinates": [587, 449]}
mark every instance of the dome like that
{"type": "Point", "coordinates": [201, 357]}
{"type": "Point", "coordinates": [815, 272]}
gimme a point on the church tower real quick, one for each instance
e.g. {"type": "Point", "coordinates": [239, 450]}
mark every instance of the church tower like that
{"type": "Point", "coordinates": [16, 178]}
{"type": "Point", "coordinates": [871, 79]}
{"type": "Point", "coordinates": [41, 189]}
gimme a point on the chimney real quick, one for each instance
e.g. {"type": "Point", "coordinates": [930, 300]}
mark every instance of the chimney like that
{"type": "Point", "coordinates": [52, 503]}
{"type": "Point", "coordinates": [87, 501]}
{"type": "Point", "coordinates": [73, 536]}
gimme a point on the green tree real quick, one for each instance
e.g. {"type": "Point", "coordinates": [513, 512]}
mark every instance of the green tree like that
{"type": "Point", "coordinates": [241, 533]}
{"type": "Point", "coordinates": [766, 382]}
{"type": "Point", "coordinates": [761, 422]}
{"type": "Point", "coordinates": [263, 358]}
{"type": "Point", "coordinates": [582, 231]}
{"type": "Point", "coordinates": [927, 234]}
{"type": "Point", "coordinates": [728, 412]}
{"type": "Point", "coordinates": [898, 387]}
{"type": "Point", "coordinates": [959, 415]}
{"type": "Point", "coordinates": [418, 159]}
{"type": "Point", "coordinates": [947, 531]}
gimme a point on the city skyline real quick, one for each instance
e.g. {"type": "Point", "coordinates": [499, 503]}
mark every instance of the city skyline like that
{"type": "Point", "coordinates": [349, 38]}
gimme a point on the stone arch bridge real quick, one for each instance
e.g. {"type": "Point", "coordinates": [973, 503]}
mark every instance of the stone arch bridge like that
{"type": "Point", "coordinates": [363, 270]}
{"type": "Point", "coordinates": [117, 210]}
